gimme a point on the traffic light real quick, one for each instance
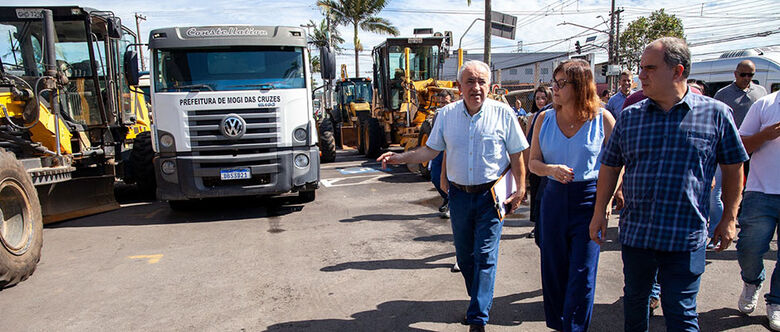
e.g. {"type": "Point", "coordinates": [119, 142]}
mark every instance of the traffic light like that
{"type": "Point", "coordinates": [604, 70]}
{"type": "Point", "coordinates": [578, 47]}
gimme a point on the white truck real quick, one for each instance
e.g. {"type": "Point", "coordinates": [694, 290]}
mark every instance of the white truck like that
{"type": "Point", "coordinates": [233, 113]}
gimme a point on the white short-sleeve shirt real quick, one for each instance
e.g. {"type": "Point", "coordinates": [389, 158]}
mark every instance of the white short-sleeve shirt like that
{"type": "Point", "coordinates": [763, 176]}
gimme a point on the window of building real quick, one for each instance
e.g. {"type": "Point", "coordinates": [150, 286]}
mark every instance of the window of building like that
{"type": "Point", "coordinates": [529, 71]}
{"type": "Point", "coordinates": [513, 72]}
{"type": "Point", "coordinates": [545, 71]}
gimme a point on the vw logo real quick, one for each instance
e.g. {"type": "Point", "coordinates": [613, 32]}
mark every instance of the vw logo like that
{"type": "Point", "coordinates": [232, 126]}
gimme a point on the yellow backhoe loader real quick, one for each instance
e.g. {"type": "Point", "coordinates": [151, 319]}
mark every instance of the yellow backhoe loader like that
{"type": "Point", "coordinates": [70, 112]}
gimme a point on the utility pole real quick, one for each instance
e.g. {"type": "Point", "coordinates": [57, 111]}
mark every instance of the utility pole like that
{"type": "Point", "coordinates": [611, 49]}
{"type": "Point", "coordinates": [488, 27]}
{"type": "Point", "coordinates": [138, 18]}
{"type": "Point", "coordinates": [617, 37]}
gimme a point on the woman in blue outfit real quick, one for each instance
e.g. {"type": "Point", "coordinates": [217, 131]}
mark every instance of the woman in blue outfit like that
{"type": "Point", "coordinates": [566, 144]}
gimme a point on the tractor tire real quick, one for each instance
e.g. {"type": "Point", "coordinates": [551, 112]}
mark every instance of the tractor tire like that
{"type": "Point", "coordinates": [375, 138]}
{"type": "Point", "coordinates": [21, 231]}
{"type": "Point", "coordinates": [422, 138]}
{"type": "Point", "coordinates": [337, 135]}
{"type": "Point", "coordinates": [142, 162]}
{"type": "Point", "coordinates": [327, 141]}
{"type": "Point", "coordinates": [361, 148]}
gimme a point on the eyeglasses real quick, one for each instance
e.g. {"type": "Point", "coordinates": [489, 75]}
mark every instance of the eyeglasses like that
{"type": "Point", "coordinates": [559, 84]}
{"type": "Point", "coordinates": [746, 74]}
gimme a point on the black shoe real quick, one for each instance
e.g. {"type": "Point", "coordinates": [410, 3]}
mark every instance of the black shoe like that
{"type": "Point", "coordinates": [476, 328]}
{"type": "Point", "coordinates": [444, 206]}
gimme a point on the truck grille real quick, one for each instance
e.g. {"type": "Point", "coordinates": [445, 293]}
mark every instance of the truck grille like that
{"type": "Point", "coordinates": [256, 149]}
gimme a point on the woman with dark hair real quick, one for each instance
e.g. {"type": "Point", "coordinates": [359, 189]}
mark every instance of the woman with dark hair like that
{"type": "Point", "coordinates": [542, 97]}
{"type": "Point", "coordinates": [566, 144]}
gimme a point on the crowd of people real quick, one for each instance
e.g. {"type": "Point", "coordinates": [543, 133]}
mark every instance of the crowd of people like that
{"type": "Point", "coordinates": [668, 158]}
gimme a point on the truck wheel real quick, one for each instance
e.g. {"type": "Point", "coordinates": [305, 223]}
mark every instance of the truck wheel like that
{"type": "Point", "coordinates": [422, 137]}
{"type": "Point", "coordinates": [21, 222]}
{"type": "Point", "coordinates": [306, 196]}
{"type": "Point", "coordinates": [141, 159]}
{"type": "Point", "coordinates": [327, 141]}
{"type": "Point", "coordinates": [375, 137]}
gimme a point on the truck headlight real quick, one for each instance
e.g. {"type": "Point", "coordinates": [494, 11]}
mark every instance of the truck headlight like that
{"type": "Point", "coordinates": [301, 161]}
{"type": "Point", "coordinates": [168, 167]}
{"type": "Point", "coordinates": [166, 140]}
{"type": "Point", "coordinates": [300, 134]}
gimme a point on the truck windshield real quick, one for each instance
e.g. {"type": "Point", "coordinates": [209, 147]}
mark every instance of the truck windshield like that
{"type": "Point", "coordinates": [230, 68]}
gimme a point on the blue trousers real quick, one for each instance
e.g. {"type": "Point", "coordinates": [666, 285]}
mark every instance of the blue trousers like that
{"type": "Point", "coordinates": [716, 204]}
{"type": "Point", "coordinates": [477, 230]}
{"type": "Point", "coordinates": [569, 257]}
{"type": "Point", "coordinates": [436, 175]}
{"type": "Point", "coordinates": [759, 222]}
{"type": "Point", "coordinates": [678, 273]}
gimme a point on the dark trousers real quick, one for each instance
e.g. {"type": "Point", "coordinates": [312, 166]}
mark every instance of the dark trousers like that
{"type": "Point", "coordinates": [436, 175]}
{"type": "Point", "coordinates": [569, 257]}
{"type": "Point", "coordinates": [477, 230]}
{"type": "Point", "coordinates": [679, 274]}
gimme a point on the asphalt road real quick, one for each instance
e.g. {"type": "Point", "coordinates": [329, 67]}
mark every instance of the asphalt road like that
{"type": "Point", "coordinates": [370, 254]}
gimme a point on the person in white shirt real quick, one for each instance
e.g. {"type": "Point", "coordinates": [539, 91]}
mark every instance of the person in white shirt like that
{"type": "Point", "coordinates": [760, 214]}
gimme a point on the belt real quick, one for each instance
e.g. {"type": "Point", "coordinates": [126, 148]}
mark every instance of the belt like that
{"type": "Point", "coordinates": [477, 188]}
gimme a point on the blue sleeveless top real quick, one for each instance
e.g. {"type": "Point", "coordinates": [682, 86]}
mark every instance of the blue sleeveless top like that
{"type": "Point", "coordinates": [580, 152]}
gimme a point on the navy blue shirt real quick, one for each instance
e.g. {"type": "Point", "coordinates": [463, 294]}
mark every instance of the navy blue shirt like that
{"type": "Point", "coordinates": [670, 159]}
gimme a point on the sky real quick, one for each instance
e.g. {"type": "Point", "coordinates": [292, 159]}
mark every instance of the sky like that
{"type": "Point", "coordinates": [539, 21]}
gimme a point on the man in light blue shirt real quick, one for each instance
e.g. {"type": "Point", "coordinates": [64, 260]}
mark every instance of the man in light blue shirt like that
{"type": "Point", "coordinates": [482, 137]}
{"type": "Point", "coordinates": [615, 104]}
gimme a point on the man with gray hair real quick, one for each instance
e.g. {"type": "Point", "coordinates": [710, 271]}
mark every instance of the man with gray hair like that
{"type": "Point", "coordinates": [670, 144]}
{"type": "Point", "coordinates": [481, 137]}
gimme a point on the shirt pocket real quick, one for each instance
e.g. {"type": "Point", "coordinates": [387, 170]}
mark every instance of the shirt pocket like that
{"type": "Point", "coordinates": [702, 143]}
{"type": "Point", "coordinates": [491, 147]}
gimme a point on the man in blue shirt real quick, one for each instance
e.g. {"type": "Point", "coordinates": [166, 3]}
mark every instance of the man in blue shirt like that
{"type": "Point", "coordinates": [481, 137]}
{"type": "Point", "coordinates": [615, 104]}
{"type": "Point", "coordinates": [670, 145]}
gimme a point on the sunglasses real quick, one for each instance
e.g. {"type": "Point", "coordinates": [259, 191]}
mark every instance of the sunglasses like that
{"type": "Point", "coordinates": [746, 74]}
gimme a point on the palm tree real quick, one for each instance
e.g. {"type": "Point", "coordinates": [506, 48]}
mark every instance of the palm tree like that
{"type": "Point", "coordinates": [359, 13]}
{"type": "Point", "coordinates": [319, 36]}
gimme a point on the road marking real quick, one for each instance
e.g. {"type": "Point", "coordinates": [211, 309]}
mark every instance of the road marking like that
{"type": "Point", "coordinates": [361, 180]}
{"type": "Point", "coordinates": [151, 259]}
{"type": "Point", "coordinates": [358, 170]}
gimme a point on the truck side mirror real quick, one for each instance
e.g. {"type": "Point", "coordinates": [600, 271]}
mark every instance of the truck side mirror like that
{"type": "Point", "coordinates": [131, 67]}
{"type": "Point", "coordinates": [114, 27]}
{"type": "Point", "coordinates": [327, 63]}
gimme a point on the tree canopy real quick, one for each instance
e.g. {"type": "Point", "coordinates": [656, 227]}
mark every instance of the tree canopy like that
{"type": "Point", "coordinates": [644, 30]}
{"type": "Point", "coordinates": [360, 14]}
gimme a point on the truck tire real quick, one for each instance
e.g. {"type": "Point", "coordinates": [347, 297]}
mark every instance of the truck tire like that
{"type": "Point", "coordinates": [375, 137]}
{"type": "Point", "coordinates": [141, 160]}
{"type": "Point", "coordinates": [21, 232]}
{"type": "Point", "coordinates": [422, 137]}
{"type": "Point", "coordinates": [327, 141]}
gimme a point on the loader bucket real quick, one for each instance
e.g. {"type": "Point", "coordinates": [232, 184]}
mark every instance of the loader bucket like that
{"type": "Point", "coordinates": [77, 198]}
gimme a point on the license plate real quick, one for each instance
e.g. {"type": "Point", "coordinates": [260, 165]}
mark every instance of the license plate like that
{"type": "Point", "coordinates": [235, 174]}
